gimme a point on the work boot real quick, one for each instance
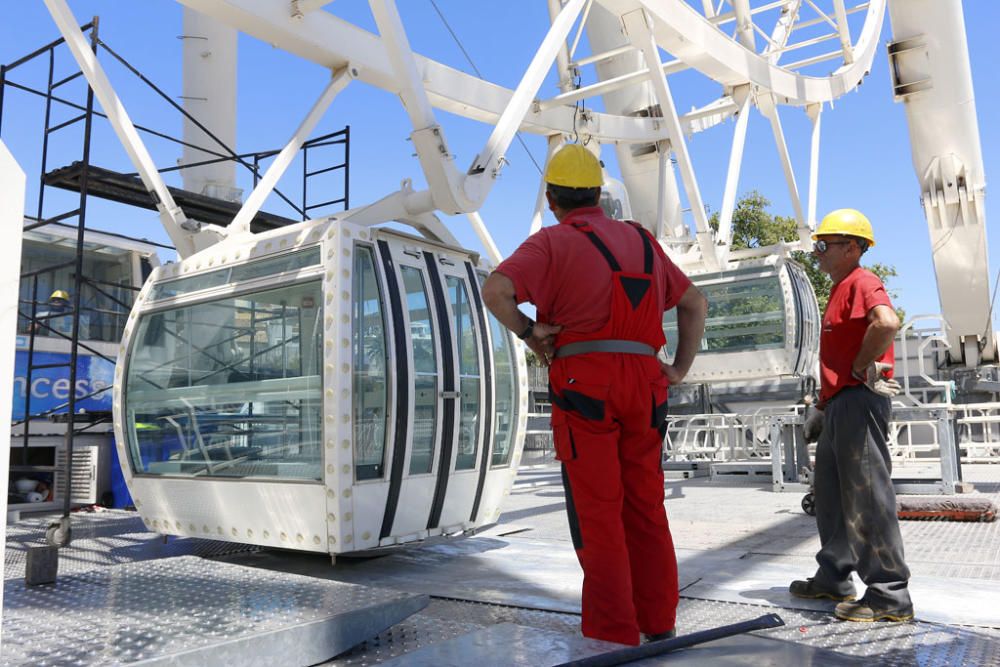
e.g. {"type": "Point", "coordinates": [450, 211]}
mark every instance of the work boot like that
{"type": "Point", "coordinates": [669, 634]}
{"type": "Point", "coordinates": [810, 590]}
{"type": "Point", "coordinates": [864, 611]}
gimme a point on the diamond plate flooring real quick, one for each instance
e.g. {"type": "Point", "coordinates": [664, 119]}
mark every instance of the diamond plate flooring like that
{"type": "Point", "coordinates": [105, 538]}
{"type": "Point", "coordinates": [188, 611]}
{"type": "Point", "coordinates": [711, 522]}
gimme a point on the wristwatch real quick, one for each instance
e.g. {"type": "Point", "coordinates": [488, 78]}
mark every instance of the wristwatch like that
{"type": "Point", "coordinates": [528, 330]}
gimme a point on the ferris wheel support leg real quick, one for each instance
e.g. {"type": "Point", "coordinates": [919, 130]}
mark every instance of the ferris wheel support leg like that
{"type": "Point", "coordinates": [932, 78]}
{"type": "Point", "coordinates": [488, 163]}
{"type": "Point", "coordinates": [556, 142]}
{"type": "Point", "coordinates": [770, 110]}
{"type": "Point", "coordinates": [250, 208]}
{"type": "Point", "coordinates": [638, 28]}
{"type": "Point", "coordinates": [733, 173]}
{"type": "Point", "coordinates": [744, 23]}
{"type": "Point", "coordinates": [843, 31]}
{"type": "Point", "coordinates": [815, 115]}
{"type": "Point", "coordinates": [181, 230]}
{"type": "Point", "coordinates": [484, 237]}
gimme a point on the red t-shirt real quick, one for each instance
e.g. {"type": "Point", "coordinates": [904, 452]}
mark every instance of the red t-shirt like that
{"type": "Point", "coordinates": [560, 271]}
{"type": "Point", "coordinates": [844, 325]}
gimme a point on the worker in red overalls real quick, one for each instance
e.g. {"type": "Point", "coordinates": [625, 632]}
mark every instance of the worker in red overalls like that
{"type": "Point", "coordinates": [600, 287]}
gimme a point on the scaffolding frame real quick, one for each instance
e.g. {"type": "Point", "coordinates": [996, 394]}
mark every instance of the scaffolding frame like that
{"type": "Point", "coordinates": [59, 533]}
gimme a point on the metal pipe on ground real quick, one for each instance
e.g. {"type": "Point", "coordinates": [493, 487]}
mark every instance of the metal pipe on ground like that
{"type": "Point", "coordinates": [626, 655]}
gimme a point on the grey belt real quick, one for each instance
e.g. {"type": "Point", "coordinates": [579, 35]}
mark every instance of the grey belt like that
{"type": "Point", "coordinates": [619, 346]}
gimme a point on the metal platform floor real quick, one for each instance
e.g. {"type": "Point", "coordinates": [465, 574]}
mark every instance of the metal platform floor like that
{"type": "Point", "coordinates": [103, 538]}
{"type": "Point", "coordinates": [719, 529]}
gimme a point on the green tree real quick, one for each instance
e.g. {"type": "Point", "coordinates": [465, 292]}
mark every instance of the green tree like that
{"type": "Point", "coordinates": [754, 227]}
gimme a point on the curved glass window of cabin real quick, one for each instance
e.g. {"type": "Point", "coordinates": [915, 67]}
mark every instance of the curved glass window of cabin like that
{"type": "Point", "coordinates": [425, 371]}
{"type": "Point", "coordinates": [371, 393]}
{"type": "Point", "coordinates": [745, 315]}
{"type": "Point", "coordinates": [505, 384]}
{"type": "Point", "coordinates": [229, 387]}
{"type": "Point", "coordinates": [468, 375]}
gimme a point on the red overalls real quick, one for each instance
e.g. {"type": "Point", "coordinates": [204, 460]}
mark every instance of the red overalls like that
{"type": "Point", "coordinates": [608, 412]}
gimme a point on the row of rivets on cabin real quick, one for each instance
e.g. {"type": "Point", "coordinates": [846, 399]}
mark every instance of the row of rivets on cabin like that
{"type": "Point", "coordinates": [250, 534]}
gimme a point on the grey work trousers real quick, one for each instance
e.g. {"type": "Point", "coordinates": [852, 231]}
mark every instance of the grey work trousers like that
{"type": "Point", "coordinates": [855, 501]}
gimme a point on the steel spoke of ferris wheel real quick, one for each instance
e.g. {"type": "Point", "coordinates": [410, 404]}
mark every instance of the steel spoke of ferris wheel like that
{"type": "Point", "coordinates": [637, 25]}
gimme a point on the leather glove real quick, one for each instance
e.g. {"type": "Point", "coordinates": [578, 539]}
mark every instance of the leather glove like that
{"type": "Point", "coordinates": [875, 379]}
{"type": "Point", "coordinates": [813, 425]}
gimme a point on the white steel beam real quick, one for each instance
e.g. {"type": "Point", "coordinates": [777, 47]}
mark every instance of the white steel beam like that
{"type": "Point", "coordinates": [816, 115]}
{"type": "Point", "coordinates": [930, 54]}
{"type": "Point", "coordinates": [604, 55]}
{"type": "Point", "coordinates": [608, 85]}
{"type": "Point", "coordinates": [782, 31]}
{"type": "Point", "coordinates": [487, 164]}
{"type": "Point", "coordinates": [300, 8]}
{"type": "Point", "coordinates": [579, 30]}
{"type": "Point", "coordinates": [178, 227]}
{"type": "Point", "coordinates": [744, 23]}
{"type": "Point", "coordinates": [680, 29]}
{"type": "Point", "coordinates": [733, 173]}
{"type": "Point", "coordinates": [485, 237]}
{"type": "Point", "coordinates": [555, 143]}
{"type": "Point", "coordinates": [769, 108]}
{"type": "Point", "coordinates": [843, 30]}
{"type": "Point", "coordinates": [563, 55]}
{"type": "Point", "coordinates": [250, 208]}
{"type": "Point", "coordinates": [779, 37]}
{"type": "Point", "coordinates": [428, 138]}
{"type": "Point", "coordinates": [802, 25]}
{"type": "Point", "coordinates": [324, 39]}
{"type": "Point", "coordinates": [638, 28]}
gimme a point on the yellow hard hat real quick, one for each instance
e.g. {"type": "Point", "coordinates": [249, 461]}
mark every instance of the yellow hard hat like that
{"type": "Point", "coordinates": [574, 167]}
{"type": "Point", "coordinates": [846, 222]}
{"type": "Point", "coordinates": [59, 294]}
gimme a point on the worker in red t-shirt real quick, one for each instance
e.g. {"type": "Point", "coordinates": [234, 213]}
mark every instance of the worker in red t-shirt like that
{"type": "Point", "coordinates": [855, 501]}
{"type": "Point", "coordinates": [601, 287]}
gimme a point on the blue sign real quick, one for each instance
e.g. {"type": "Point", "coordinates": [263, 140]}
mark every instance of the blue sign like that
{"type": "Point", "coordinates": [50, 386]}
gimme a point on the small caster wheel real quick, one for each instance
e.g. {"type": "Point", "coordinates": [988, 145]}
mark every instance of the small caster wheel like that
{"type": "Point", "coordinates": [809, 504]}
{"type": "Point", "coordinates": [60, 533]}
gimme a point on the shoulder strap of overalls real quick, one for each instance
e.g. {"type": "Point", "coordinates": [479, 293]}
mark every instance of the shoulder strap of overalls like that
{"type": "Point", "coordinates": [647, 247]}
{"type": "Point", "coordinates": [599, 244]}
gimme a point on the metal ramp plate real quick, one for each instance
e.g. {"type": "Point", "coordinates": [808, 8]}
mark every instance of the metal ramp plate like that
{"type": "Point", "coordinates": [951, 600]}
{"type": "Point", "coordinates": [509, 645]}
{"type": "Point", "coordinates": [191, 611]}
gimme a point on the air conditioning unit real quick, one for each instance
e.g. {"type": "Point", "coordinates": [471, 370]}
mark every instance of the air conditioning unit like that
{"type": "Point", "coordinates": [91, 476]}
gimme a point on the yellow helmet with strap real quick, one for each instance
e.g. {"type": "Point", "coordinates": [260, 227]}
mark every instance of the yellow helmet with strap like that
{"type": "Point", "coordinates": [59, 294]}
{"type": "Point", "coordinates": [846, 222]}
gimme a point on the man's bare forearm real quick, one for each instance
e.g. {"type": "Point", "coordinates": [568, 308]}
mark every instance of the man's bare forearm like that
{"type": "Point", "coordinates": [691, 312]}
{"type": "Point", "coordinates": [500, 297]}
{"type": "Point", "coordinates": [882, 328]}
{"type": "Point", "coordinates": [876, 341]}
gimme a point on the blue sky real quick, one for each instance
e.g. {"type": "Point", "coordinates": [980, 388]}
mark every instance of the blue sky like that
{"type": "Point", "coordinates": [865, 162]}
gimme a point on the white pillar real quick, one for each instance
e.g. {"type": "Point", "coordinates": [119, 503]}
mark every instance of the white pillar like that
{"type": "Point", "coordinates": [929, 60]}
{"type": "Point", "coordinates": [650, 192]}
{"type": "Point", "coordinates": [209, 93]}
{"type": "Point", "coordinates": [11, 219]}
